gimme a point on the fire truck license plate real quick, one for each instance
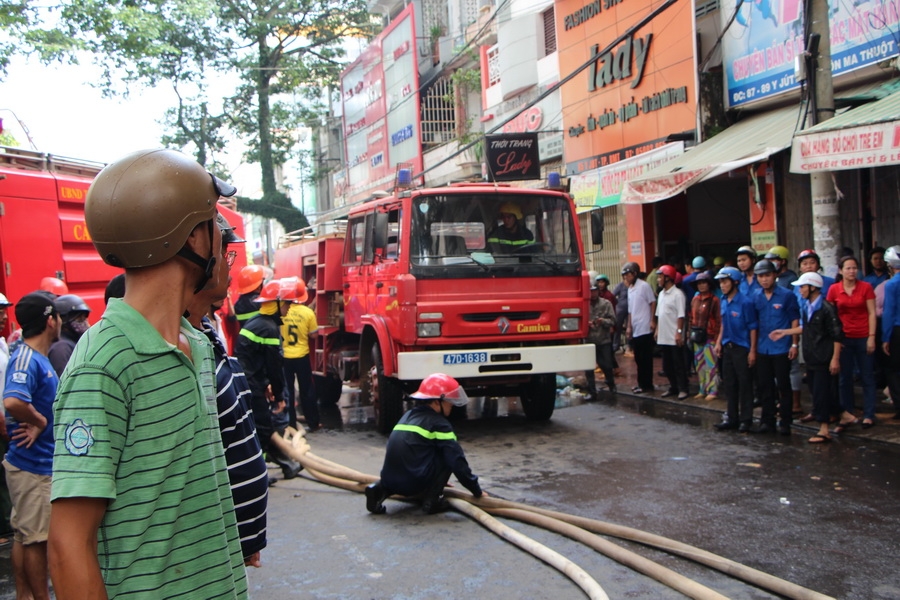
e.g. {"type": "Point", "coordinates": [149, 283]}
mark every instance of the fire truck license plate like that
{"type": "Point", "coordinates": [465, 358]}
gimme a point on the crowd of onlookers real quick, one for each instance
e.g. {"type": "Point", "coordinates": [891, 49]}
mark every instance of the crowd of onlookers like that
{"type": "Point", "coordinates": [753, 330]}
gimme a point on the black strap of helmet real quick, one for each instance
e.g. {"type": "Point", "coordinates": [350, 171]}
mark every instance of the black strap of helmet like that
{"type": "Point", "coordinates": [206, 264]}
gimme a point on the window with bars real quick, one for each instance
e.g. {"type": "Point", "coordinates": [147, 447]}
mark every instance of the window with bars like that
{"type": "Point", "coordinates": [493, 65]}
{"type": "Point", "coordinates": [549, 31]}
{"type": "Point", "coordinates": [438, 114]}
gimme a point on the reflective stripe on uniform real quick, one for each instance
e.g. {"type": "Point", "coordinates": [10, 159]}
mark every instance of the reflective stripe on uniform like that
{"type": "Point", "coordinates": [428, 435]}
{"type": "Point", "coordinates": [509, 242]}
{"type": "Point", "coordinates": [260, 340]}
{"type": "Point", "coordinates": [246, 316]}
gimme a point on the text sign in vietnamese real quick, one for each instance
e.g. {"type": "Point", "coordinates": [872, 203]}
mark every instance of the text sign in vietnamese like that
{"type": "Point", "coordinates": [852, 148]}
{"type": "Point", "coordinates": [760, 47]}
{"type": "Point", "coordinates": [513, 156]}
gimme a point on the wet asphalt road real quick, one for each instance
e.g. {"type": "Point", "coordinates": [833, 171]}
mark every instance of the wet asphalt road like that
{"type": "Point", "coordinates": [825, 517]}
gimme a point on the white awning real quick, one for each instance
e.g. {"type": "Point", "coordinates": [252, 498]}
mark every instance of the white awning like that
{"type": "Point", "coordinates": [752, 140]}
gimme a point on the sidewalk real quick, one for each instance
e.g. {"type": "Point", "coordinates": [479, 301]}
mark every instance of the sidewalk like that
{"type": "Point", "coordinates": [707, 413]}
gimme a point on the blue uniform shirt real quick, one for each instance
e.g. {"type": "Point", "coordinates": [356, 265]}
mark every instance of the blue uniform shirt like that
{"type": "Point", "coordinates": [876, 280]}
{"type": "Point", "coordinates": [31, 378]}
{"type": "Point", "coordinates": [774, 313]}
{"type": "Point", "coordinates": [890, 317]}
{"type": "Point", "coordinates": [738, 319]}
{"type": "Point", "coordinates": [747, 289]}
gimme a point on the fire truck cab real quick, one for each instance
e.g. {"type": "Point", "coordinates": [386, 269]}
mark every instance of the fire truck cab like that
{"type": "Point", "coordinates": [426, 281]}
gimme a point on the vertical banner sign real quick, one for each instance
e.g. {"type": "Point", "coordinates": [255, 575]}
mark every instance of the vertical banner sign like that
{"type": "Point", "coordinates": [513, 156]}
{"type": "Point", "coordinates": [632, 96]}
{"type": "Point", "coordinates": [759, 48]}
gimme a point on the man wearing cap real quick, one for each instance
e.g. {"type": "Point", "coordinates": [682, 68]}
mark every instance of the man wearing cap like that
{"type": "Point", "coordinates": [510, 234]}
{"type": "Point", "coordinates": [422, 450]}
{"type": "Point", "coordinates": [142, 504]}
{"type": "Point", "coordinates": [669, 333]}
{"type": "Point", "coordinates": [601, 322]}
{"type": "Point", "coordinates": [259, 352]}
{"type": "Point", "coordinates": [246, 465]}
{"type": "Point", "coordinates": [641, 308]}
{"type": "Point", "coordinates": [28, 399]}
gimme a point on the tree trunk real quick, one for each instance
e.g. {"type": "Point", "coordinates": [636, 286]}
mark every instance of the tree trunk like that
{"type": "Point", "coordinates": [265, 130]}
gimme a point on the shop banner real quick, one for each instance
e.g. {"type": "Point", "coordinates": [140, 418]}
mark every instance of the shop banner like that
{"type": "Point", "coordinates": [513, 156]}
{"type": "Point", "coordinates": [659, 188]}
{"type": "Point", "coordinates": [760, 45]}
{"type": "Point", "coordinates": [852, 148]}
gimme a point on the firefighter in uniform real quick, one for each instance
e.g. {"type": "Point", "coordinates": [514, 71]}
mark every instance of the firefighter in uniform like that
{"type": "Point", "coordinates": [249, 283]}
{"type": "Point", "coordinates": [422, 450]}
{"type": "Point", "coordinates": [259, 352]}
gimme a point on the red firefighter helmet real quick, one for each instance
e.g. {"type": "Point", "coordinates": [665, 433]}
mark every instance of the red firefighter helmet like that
{"type": "Point", "coordinates": [289, 289]}
{"type": "Point", "coordinates": [441, 387]}
{"type": "Point", "coordinates": [54, 285]}
{"type": "Point", "coordinates": [250, 278]}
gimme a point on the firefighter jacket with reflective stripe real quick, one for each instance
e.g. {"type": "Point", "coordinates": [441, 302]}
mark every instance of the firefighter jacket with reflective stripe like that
{"type": "Point", "coordinates": [245, 308]}
{"type": "Point", "coordinates": [421, 448]}
{"type": "Point", "coordinates": [259, 352]}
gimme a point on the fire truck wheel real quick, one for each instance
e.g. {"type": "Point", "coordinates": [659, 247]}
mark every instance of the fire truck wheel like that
{"type": "Point", "coordinates": [539, 397]}
{"type": "Point", "coordinates": [386, 394]}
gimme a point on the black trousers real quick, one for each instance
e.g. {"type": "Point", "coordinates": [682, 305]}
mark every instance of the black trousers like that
{"type": "Point", "coordinates": [675, 368]}
{"type": "Point", "coordinates": [737, 383]}
{"type": "Point", "coordinates": [823, 386]}
{"type": "Point", "coordinates": [643, 359]}
{"type": "Point", "coordinates": [774, 373]}
{"type": "Point", "coordinates": [301, 369]}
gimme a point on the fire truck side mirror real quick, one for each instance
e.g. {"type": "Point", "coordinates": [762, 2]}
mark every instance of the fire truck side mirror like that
{"type": "Point", "coordinates": [380, 231]}
{"type": "Point", "coordinates": [597, 227]}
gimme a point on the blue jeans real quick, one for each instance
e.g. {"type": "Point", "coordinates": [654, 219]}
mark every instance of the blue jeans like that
{"type": "Point", "coordinates": [854, 356]}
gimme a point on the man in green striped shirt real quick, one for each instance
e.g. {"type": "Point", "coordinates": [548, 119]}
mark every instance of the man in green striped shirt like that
{"type": "Point", "coordinates": [142, 506]}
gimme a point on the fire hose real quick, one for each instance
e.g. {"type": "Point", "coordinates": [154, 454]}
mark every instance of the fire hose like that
{"type": "Point", "coordinates": [581, 529]}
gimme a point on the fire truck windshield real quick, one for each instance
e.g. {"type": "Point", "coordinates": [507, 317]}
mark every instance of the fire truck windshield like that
{"type": "Point", "coordinates": [493, 235]}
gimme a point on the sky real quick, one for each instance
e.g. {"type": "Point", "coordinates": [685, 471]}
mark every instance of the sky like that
{"type": "Point", "coordinates": [68, 117]}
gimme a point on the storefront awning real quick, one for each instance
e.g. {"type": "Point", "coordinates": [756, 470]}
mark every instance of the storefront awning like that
{"type": "Point", "coordinates": [867, 136]}
{"type": "Point", "coordinates": [749, 141]}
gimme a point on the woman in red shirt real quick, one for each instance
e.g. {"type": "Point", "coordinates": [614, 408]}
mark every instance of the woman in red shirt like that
{"type": "Point", "coordinates": [706, 317]}
{"type": "Point", "coordinates": [855, 303]}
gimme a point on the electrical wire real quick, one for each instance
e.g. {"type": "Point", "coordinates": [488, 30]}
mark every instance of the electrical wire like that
{"type": "Point", "coordinates": [709, 54]}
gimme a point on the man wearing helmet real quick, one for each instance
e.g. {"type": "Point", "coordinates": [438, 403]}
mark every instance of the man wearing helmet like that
{"type": "Point", "coordinates": [890, 325]}
{"type": "Point", "coordinates": [249, 283]}
{"type": "Point", "coordinates": [136, 409]}
{"type": "Point", "coordinates": [745, 257]}
{"type": "Point", "coordinates": [422, 450]}
{"type": "Point", "coordinates": [74, 313]}
{"type": "Point", "coordinates": [778, 256]}
{"type": "Point", "coordinates": [669, 332]}
{"type": "Point", "coordinates": [641, 308]}
{"type": "Point", "coordinates": [736, 346]}
{"type": "Point", "coordinates": [510, 234]}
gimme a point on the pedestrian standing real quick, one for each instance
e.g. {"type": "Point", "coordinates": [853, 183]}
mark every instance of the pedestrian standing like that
{"type": "Point", "coordinates": [28, 397]}
{"type": "Point", "coordinates": [601, 321]}
{"type": "Point", "coordinates": [141, 499]}
{"type": "Point", "coordinates": [5, 501]}
{"type": "Point", "coordinates": [74, 313]}
{"type": "Point", "coordinates": [656, 263]}
{"type": "Point", "coordinates": [249, 283]}
{"type": "Point", "coordinates": [621, 304]}
{"type": "Point", "coordinates": [422, 451]}
{"type": "Point", "coordinates": [890, 326]}
{"type": "Point", "coordinates": [705, 321]}
{"type": "Point", "coordinates": [808, 262]}
{"type": "Point", "coordinates": [745, 257]}
{"type": "Point", "coordinates": [855, 303]}
{"type": "Point", "coordinates": [776, 308]}
{"type": "Point", "coordinates": [259, 352]}
{"type": "Point", "coordinates": [641, 308]}
{"type": "Point", "coordinates": [821, 338]}
{"type": "Point", "coordinates": [298, 330]}
{"type": "Point", "coordinates": [669, 332]}
{"type": "Point", "coordinates": [784, 276]}
{"type": "Point", "coordinates": [878, 272]}
{"type": "Point", "coordinates": [737, 348]}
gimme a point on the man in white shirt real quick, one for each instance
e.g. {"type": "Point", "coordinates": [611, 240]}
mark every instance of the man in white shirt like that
{"type": "Point", "coordinates": [641, 308]}
{"type": "Point", "coordinates": [670, 332]}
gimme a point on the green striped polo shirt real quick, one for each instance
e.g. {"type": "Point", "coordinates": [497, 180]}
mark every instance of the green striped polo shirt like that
{"type": "Point", "coordinates": [136, 423]}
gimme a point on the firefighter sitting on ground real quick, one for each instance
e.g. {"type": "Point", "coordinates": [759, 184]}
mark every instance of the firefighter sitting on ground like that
{"type": "Point", "coordinates": [422, 450]}
{"type": "Point", "coordinates": [511, 234]}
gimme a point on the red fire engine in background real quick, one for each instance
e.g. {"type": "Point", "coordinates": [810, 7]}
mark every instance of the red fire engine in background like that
{"type": "Point", "coordinates": [42, 230]}
{"type": "Point", "coordinates": [412, 284]}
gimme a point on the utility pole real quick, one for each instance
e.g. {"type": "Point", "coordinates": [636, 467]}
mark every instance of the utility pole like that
{"type": "Point", "coordinates": [825, 209]}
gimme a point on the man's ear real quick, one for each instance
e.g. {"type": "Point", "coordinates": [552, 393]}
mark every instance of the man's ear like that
{"type": "Point", "coordinates": [198, 240]}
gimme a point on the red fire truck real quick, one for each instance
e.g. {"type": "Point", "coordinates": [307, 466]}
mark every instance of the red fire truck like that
{"type": "Point", "coordinates": [412, 284]}
{"type": "Point", "coordinates": [42, 230]}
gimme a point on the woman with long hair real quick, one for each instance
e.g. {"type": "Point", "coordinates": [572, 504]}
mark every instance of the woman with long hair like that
{"type": "Point", "coordinates": [855, 303]}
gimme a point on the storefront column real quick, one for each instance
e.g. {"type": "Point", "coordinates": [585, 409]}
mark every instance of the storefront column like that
{"type": "Point", "coordinates": [641, 231]}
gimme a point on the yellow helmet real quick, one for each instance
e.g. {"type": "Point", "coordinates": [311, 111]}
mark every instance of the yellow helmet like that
{"type": "Point", "coordinates": [512, 209]}
{"type": "Point", "coordinates": [779, 252]}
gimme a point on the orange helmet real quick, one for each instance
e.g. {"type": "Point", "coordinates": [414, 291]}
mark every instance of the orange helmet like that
{"type": "Point", "coordinates": [441, 387]}
{"type": "Point", "coordinates": [250, 278]}
{"type": "Point", "coordinates": [53, 285]}
{"type": "Point", "coordinates": [289, 289]}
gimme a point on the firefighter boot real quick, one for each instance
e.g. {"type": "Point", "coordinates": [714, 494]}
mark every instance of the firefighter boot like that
{"type": "Point", "coordinates": [289, 468]}
{"type": "Point", "coordinates": [375, 495]}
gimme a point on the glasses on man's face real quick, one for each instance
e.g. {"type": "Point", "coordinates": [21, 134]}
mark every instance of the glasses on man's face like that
{"type": "Point", "coordinates": [230, 256]}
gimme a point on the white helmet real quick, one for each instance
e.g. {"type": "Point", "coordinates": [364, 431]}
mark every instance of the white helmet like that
{"type": "Point", "coordinates": [4, 302]}
{"type": "Point", "coordinates": [813, 279]}
{"type": "Point", "coordinates": [892, 257]}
